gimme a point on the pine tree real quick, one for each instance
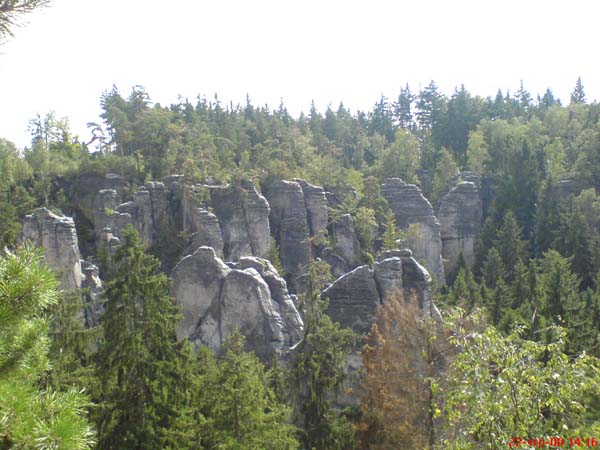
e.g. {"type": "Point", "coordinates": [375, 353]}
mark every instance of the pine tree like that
{"type": "Point", "coordinates": [29, 417]}
{"type": "Point", "coordinates": [139, 362]}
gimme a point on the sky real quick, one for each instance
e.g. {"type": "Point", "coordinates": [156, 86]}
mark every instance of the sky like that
{"type": "Point", "coordinates": [329, 51]}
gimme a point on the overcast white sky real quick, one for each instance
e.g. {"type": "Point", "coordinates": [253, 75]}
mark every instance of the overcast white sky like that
{"type": "Point", "coordinates": [327, 50]}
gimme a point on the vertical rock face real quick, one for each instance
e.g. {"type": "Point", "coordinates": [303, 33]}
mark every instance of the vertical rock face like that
{"type": "Point", "coordinates": [293, 325]}
{"type": "Point", "coordinates": [290, 226]}
{"type": "Point", "coordinates": [244, 217]}
{"type": "Point", "coordinates": [197, 283]}
{"type": "Point", "coordinates": [346, 241]}
{"type": "Point", "coordinates": [411, 207]}
{"type": "Point", "coordinates": [317, 213]}
{"type": "Point", "coordinates": [206, 231]}
{"type": "Point", "coordinates": [58, 237]}
{"type": "Point", "coordinates": [217, 300]}
{"type": "Point", "coordinates": [148, 210]}
{"type": "Point", "coordinates": [353, 298]}
{"type": "Point", "coordinates": [94, 304]}
{"type": "Point", "coordinates": [460, 216]}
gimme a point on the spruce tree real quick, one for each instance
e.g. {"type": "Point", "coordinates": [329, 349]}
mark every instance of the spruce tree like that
{"type": "Point", "coordinates": [391, 233]}
{"type": "Point", "coordinates": [139, 362]}
{"type": "Point", "coordinates": [317, 373]}
{"type": "Point", "coordinates": [578, 95]}
{"type": "Point", "coordinates": [234, 407]}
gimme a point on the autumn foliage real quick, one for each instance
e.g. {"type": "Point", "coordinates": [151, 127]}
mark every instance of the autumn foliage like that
{"type": "Point", "coordinates": [400, 358]}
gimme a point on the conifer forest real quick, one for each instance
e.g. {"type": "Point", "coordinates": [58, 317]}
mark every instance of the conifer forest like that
{"type": "Point", "coordinates": [424, 274]}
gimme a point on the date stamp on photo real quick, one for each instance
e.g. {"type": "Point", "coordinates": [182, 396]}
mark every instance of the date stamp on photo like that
{"type": "Point", "coordinates": [550, 442]}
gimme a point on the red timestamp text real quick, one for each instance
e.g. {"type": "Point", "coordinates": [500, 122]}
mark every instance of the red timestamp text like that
{"type": "Point", "coordinates": [553, 442]}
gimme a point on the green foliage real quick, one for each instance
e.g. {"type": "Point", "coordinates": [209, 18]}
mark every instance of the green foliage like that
{"type": "Point", "coordinates": [70, 346]}
{"type": "Point", "coordinates": [388, 241]}
{"type": "Point", "coordinates": [140, 366]}
{"type": "Point", "coordinates": [274, 257]}
{"type": "Point", "coordinates": [317, 373]}
{"type": "Point", "coordinates": [401, 159]}
{"type": "Point", "coordinates": [445, 169]}
{"type": "Point", "coordinates": [500, 387]}
{"type": "Point", "coordinates": [235, 407]}
{"type": "Point", "coordinates": [365, 225]}
{"type": "Point", "coordinates": [30, 417]}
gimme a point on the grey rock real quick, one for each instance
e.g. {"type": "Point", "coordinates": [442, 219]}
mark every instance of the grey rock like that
{"type": "Point", "coordinates": [94, 301]}
{"type": "Point", "coordinates": [338, 265]}
{"type": "Point", "coordinates": [317, 211]}
{"type": "Point", "coordinates": [110, 213]}
{"type": "Point", "coordinates": [197, 283]}
{"type": "Point", "coordinates": [346, 240]}
{"type": "Point", "coordinates": [217, 300]}
{"type": "Point", "coordinates": [388, 277]}
{"type": "Point", "coordinates": [293, 324]}
{"type": "Point", "coordinates": [205, 230]}
{"type": "Point", "coordinates": [246, 305]}
{"type": "Point", "coordinates": [56, 234]}
{"type": "Point", "coordinates": [109, 243]}
{"type": "Point", "coordinates": [290, 227]}
{"type": "Point", "coordinates": [411, 207]}
{"type": "Point", "coordinates": [354, 297]}
{"type": "Point", "coordinates": [244, 217]}
{"type": "Point", "coordinates": [82, 191]}
{"type": "Point", "coordinates": [460, 217]}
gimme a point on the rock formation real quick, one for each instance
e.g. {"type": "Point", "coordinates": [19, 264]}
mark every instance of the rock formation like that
{"type": "Point", "coordinates": [315, 200]}
{"type": "Point", "coordinates": [298, 212]}
{"type": "Point", "coordinates": [244, 218]}
{"type": "Point", "coordinates": [56, 234]}
{"type": "Point", "coordinates": [353, 298]}
{"type": "Point", "coordinates": [205, 231]}
{"type": "Point", "coordinates": [346, 241]}
{"type": "Point", "coordinates": [411, 207]}
{"type": "Point", "coordinates": [94, 302]}
{"type": "Point", "coordinates": [290, 227]}
{"type": "Point", "coordinates": [460, 217]}
{"type": "Point", "coordinates": [217, 300]}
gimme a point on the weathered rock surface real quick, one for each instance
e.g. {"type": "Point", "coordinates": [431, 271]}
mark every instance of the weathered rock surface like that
{"type": "Point", "coordinates": [460, 217]}
{"type": "Point", "coordinates": [338, 265]}
{"type": "Point", "coordinates": [94, 302]}
{"type": "Point", "coordinates": [298, 212]}
{"type": "Point", "coordinates": [346, 240]}
{"type": "Point", "coordinates": [353, 298]}
{"type": "Point", "coordinates": [293, 326]}
{"type": "Point", "coordinates": [315, 200]}
{"type": "Point", "coordinates": [83, 190]}
{"type": "Point", "coordinates": [411, 207]}
{"type": "Point", "coordinates": [56, 234]}
{"type": "Point", "coordinates": [217, 300]}
{"type": "Point", "coordinates": [244, 218]}
{"type": "Point", "coordinates": [290, 226]}
{"type": "Point", "coordinates": [205, 230]}
{"type": "Point", "coordinates": [151, 212]}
